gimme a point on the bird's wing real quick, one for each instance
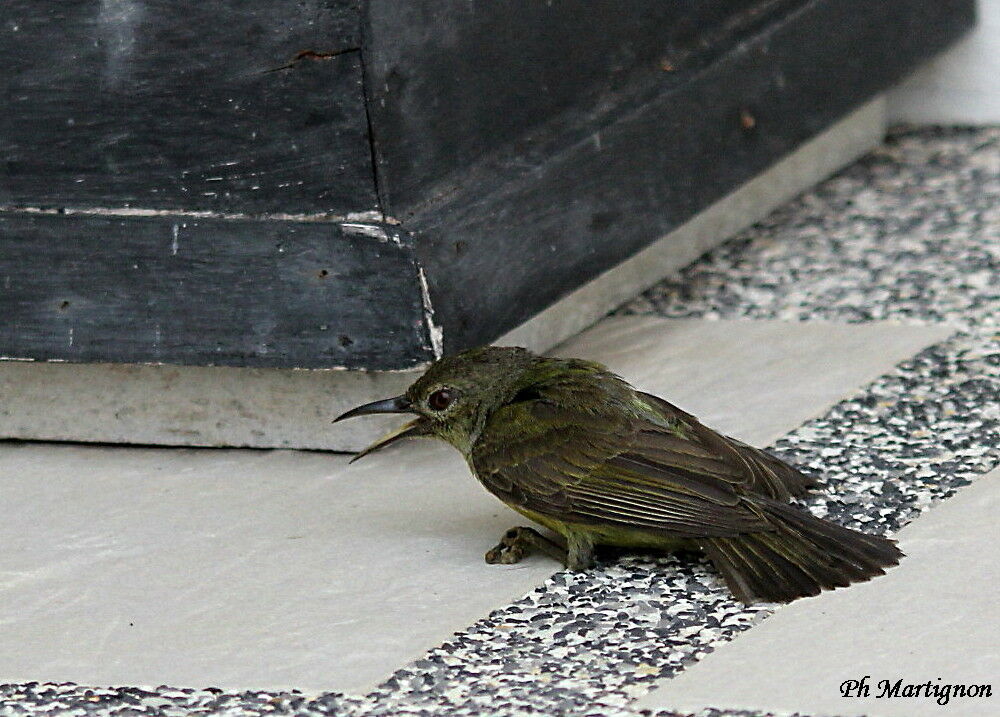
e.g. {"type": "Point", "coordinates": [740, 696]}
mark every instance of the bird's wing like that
{"type": "Point", "coordinates": [610, 469]}
{"type": "Point", "coordinates": [727, 458]}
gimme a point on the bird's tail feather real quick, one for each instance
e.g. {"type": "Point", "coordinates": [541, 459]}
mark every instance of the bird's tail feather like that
{"type": "Point", "coordinates": [801, 556]}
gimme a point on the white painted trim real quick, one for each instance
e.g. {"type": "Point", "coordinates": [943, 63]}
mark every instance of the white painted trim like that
{"type": "Point", "coordinates": [362, 216]}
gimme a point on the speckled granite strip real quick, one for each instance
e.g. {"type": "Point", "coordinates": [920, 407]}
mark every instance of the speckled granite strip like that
{"type": "Point", "coordinates": [912, 232]}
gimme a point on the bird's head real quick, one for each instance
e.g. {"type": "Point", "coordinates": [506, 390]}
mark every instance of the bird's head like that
{"type": "Point", "coordinates": [453, 399]}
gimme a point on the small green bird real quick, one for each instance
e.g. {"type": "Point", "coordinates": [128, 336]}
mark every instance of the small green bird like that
{"type": "Point", "coordinates": [575, 448]}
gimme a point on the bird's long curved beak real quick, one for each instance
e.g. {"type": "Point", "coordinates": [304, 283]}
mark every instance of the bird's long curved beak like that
{"type": "Point", "coordinates": [397, 404]}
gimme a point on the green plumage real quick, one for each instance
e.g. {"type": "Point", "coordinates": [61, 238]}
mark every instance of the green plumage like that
{"type": "Point", "coordinates": [575, 448]}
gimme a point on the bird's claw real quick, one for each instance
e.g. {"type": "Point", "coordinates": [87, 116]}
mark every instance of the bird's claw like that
{"type": "Point", "coordinates": [511, 549]}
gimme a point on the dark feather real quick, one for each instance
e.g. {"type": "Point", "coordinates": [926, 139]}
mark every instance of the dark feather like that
{"type": "Point", "coordinates": [758, 470]}
{"type": "Point", "coordinates": [604, 467]}
{"type": "Point", "coordinates": [800, 556]}
{"type": "Point", "coordinates": [606, 460]}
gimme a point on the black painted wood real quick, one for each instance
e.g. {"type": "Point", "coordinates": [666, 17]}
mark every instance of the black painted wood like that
{"type": "Point", "coordinates": [519, 230]}
{"type": "Point", "coordinates": [452, 81]}
{"type": "Point", "coordinates": [168, 105]}
{"type": "Point", "coordinates": [526, 147]}
{"type": "Point", "coordinates": [208, 292]}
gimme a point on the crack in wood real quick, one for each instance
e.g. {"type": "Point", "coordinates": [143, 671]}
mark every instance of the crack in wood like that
{"type": "Point", "coordinates": [311, 55]}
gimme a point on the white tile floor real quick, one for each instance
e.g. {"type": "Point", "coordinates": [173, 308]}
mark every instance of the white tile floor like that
{"type": "Point", "coordinates": [255, 569]}
{"type": "Point", "coordinates": [934, 617]}
{"type": "Point", "coordinates": [240, 569]}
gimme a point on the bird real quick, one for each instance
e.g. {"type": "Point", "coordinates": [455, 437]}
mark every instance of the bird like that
{"type": "Point", "coordinates": [576, 449]}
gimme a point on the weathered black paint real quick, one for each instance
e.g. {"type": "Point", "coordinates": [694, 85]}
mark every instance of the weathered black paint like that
{"type": "Point", "coordinates": [168, 105]}
{"type": "Point", "coordinates": [208, 292]}
{"type": "Point", "coordinates": [453, 82]}
{"type": "Point", "coordinates": [525, 147]}
{"type": "Point", "coordinates": [534, 227]}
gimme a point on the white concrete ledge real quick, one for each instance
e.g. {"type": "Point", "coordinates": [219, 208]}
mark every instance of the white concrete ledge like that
{"type": "Point", "coordinates": [959, 87]}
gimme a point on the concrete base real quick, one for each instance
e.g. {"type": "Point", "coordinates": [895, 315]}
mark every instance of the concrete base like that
{"type": "Point", "coordinates": [273, 408]}
{"type": "Point", "coordinates": [191, 405]}
{"type": "Point", "coordinates": [960, 87]}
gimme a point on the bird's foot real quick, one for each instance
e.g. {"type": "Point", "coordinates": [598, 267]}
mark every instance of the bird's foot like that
{"type": "Point", "coordinates": [517, 543]}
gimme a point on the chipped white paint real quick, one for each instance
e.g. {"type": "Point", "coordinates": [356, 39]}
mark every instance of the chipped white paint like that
{"type": "Point", "coordinates": [371, 215]}
{"type": "Point", "coordinates": [435, 332]}
{"type": "Point", "coordinates": [190, 213]}
{"type": "Point", "coordinates": [374, 231]}
{"type": "Point", "coordinates": [174, 244]}
{"type": "Point", "coordinates": [175, 367]}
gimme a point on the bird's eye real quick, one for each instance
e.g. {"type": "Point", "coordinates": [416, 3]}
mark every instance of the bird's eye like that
{"type": "Point", "coordinates": [440, 399]}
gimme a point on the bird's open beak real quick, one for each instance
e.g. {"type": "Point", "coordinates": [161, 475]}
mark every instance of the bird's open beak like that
{"type": "Point", "coordinates": [397, 404]}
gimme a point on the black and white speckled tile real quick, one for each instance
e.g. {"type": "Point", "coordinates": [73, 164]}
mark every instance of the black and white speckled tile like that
{"type": "Point", "coordinates": [911, 232]}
